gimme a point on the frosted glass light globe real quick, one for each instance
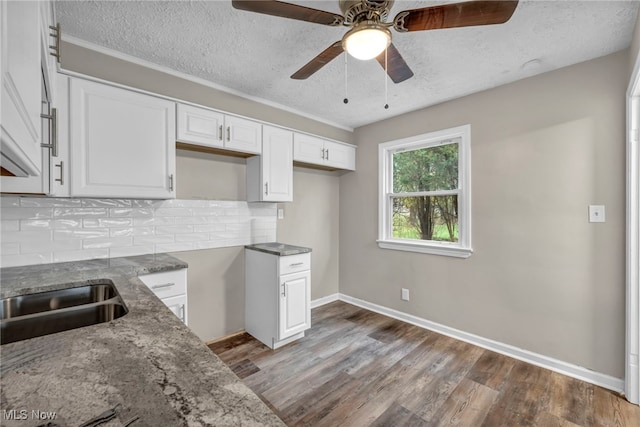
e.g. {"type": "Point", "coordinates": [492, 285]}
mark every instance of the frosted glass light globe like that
{"type": "Point", "coordinates": [366, 43]}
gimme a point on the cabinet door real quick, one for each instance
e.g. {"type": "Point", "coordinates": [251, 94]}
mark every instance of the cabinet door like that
{"type": "Point", "coordinates": [243, 135]}
{"type": "Point", "coordinates": [200, 126]}
{"type": "Point", "coordinates": [178, 305]}
{"type": "Point", "coordinates": [295, 301]}
{"type": "Point", "coordinates": [48, 37]}
{"type": "Point", "coordinates": [122, 142]}
{"type": "Point", "coordinates": [308, 149]}
{"type": "Point", "coordinates": [277, 164]}
{"type": "Point", "coordinates": [21, 87]}
{"type": "Point", "coordinates": [339, 156]}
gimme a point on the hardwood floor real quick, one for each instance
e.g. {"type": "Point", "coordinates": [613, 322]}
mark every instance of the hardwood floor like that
{"type": "Point", "coordinates": [359, 368]}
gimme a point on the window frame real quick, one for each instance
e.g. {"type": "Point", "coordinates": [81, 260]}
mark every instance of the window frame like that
{"type": "Point", "coordinates": [460, 249]}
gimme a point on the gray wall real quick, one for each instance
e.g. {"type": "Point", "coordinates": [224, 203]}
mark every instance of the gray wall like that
{"type": "Point", "coordinates": [216, 276]}
{"type": "Point", "coordinates": [635, 45]}
{"type": "Point", "coordinates": [541, 277]}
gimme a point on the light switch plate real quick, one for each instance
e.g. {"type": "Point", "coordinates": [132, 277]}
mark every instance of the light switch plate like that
{"type": "Point", "coordinates": [405, 294]}
{"type": "Point", "coordinates": [596, 213]}
{"type": "Point", "coordinates": [280, 213]}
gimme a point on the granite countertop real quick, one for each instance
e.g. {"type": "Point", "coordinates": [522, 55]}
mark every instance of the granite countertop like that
{"type": "Point", "coordinates": [279, 249]}
{"type": "Point", "coordinates": [147, 364]}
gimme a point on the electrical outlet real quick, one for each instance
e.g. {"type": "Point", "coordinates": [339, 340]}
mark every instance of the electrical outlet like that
{"type": "Point", "coordinates": [405, 294]}
{"type": "Point", "coordinates": [596, 213]}
{"type": "Point", "coordinates": [280, 213]}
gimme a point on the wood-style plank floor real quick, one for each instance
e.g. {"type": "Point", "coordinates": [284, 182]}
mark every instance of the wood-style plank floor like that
{"type": "Point", "coordinates": [359, 368]}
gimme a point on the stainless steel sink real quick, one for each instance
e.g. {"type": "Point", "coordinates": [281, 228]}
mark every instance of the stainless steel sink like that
{"type": "Point", "coordinates": [44, 313]}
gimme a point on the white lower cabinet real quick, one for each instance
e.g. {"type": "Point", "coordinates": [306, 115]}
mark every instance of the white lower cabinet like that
{"type": "Point", "coordinates": [122, 142]}
{"type": "Point", "coordinates": [277, 305]}
{"type": "Point", "coordinates": [171, 288]}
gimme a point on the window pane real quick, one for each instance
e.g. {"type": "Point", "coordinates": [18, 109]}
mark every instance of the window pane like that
{"type": "Point", "coordinates": [426, 218]}
{"type": "Point", "coordinates": [426, 169]}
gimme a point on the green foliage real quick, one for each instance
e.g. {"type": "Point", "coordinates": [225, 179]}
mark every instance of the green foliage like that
{"type": "Point", "coordinates": [426, 217]}
{"type": "Point", "coordinates": [426, 169]}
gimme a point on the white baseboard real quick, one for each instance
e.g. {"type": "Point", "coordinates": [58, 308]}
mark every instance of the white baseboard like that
{"type": "Point", "coordinates": [324, 300]}
{"type": "Point", "coordinates": [559, 366]}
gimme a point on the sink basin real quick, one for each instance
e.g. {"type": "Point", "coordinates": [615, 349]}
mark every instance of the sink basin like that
{"type": "Point", "coordinates": [44, 313]}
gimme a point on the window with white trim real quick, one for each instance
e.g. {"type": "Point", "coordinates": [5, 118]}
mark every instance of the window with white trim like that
{"type": "Point", "coordinates": [425, 194]}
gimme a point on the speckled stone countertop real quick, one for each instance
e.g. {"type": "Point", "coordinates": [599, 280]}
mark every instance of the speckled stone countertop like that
{"type": "Point", "coordinates": [279, 249]}
{"type": "Point", "coordinates": [147, 364]}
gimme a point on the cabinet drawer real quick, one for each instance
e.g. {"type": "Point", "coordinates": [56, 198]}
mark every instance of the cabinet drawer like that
{"type": "Point", "coordinates": [178, 305]}
{"type": "Point", "coordinates": [295, 263]}
{"type": "Point", "coordinates": [166, 284]}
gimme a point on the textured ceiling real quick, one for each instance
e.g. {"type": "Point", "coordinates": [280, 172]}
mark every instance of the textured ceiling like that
{"type": "Point", "coordinates": [255, 54]}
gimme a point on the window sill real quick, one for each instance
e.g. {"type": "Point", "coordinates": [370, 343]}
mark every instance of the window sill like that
{"type": "Point", "coordinates": [444, 250]}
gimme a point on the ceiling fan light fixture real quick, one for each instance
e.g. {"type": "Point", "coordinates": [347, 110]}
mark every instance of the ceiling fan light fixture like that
{"type": "Point", "coordinates": [366, 41]}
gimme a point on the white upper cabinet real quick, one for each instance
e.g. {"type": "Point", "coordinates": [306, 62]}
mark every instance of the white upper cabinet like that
{"type": "Point", "coordinates": [212, 129]}
{"type": "Point", "coordinates": [243, 135]}
{"type": "Point", "coordinates": [328, 154]}
{"type": "Point", "coordinates": [21, 87]}
{"type": "Point", "coordinates": [200, 126]}
{"type": "Point", "coordinates": [122, 142]}
{"type": "Point", "coordinates": [270, 176]}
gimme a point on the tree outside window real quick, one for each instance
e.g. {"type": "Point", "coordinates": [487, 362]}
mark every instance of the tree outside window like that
{"type": "Point", "coordinates": [424, 193]}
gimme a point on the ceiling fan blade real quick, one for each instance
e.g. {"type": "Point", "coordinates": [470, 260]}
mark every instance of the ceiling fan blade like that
{"type": "Point", "coordinates": [455, 15]}
{"type": "Point", "coordinates": [397, 69]}
{"type": "Point", "coordinates": [319, 61]}
{"type": "Point", "coordinates": [288, 10]}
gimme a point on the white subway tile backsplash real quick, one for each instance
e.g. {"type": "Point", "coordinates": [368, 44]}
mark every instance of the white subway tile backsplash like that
{"type": "Point", "coordinates": [130, 251]}
{"type": "Point", "coordinates": [27, 224]}
{"type": "Point", "coordinates": [26, 259]}
{"type": "Point", "coordinates": [9, 248]}
{"type": "Point", "coordinates": [25, 236]}
{"type": "Point", "coordinates": [174, 247]}
{"type": "Point", "coordinates": [9, 202]}
{"type": "Point", "coordinates": [80, 255]}
{"type": "Point", "coordinates": [173, 212]}
{"type": "Point", "coordinates": [44, 202]}
{"type": "Point", "coordinates": [10, 225]}
{"type": "Point", "coordinates": [153, 221]}
{"type": "Point", "coordinates": [153, 240]}
{"type": "Point", "coordinates": [130, 212]}
{"type": "Point", "coordinates": [107, 242]}
{"type": "Point", "coordinates": [51, 246]}
{"type": "Point", "coordinates": [26, 213]}
{"type": "Point", "coordinates": [106, 203]}
{"type": "Point", "coordinates": [191, 237]}
{"type": "Point", "coordinates": [107, 222]}
{"type": "Point", "coordinates": [79, 212]}
{"type": "Point", "coordinates": [43, 230]}
{"type": "Point", "coordinates": [85, 233]}
{"type": "Point", "coordinates": [131, 231]}
{"type": "Point", "coordinates": [174, 229]}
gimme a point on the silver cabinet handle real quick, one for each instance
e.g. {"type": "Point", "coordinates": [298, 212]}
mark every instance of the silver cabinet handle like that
{"type": "Point", "coordinates": [171, 182]}
{"type": "Point", "coordinates": [165, 285]}
{"type": "Point", "coordinates": [266, 188]}
{"type": "Point", "coordinates": [284, 290]}
{"type": "Point", "coordinates": [220, 133]}
{"type": "Point", "coordinates": [53, 139]}
{"type": "Point", "coordinates": [228, 133]}
{"type": "Point", "coordinates": [182, 312]}
{"type": "Point", "coordinates": [61, 179]}
{"type": "Point", "coordinates": [56, 46]}
{"type": "Point", "coordinates": [296, 264]}
{"type": "Point", "coordinates": [327, 151]}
